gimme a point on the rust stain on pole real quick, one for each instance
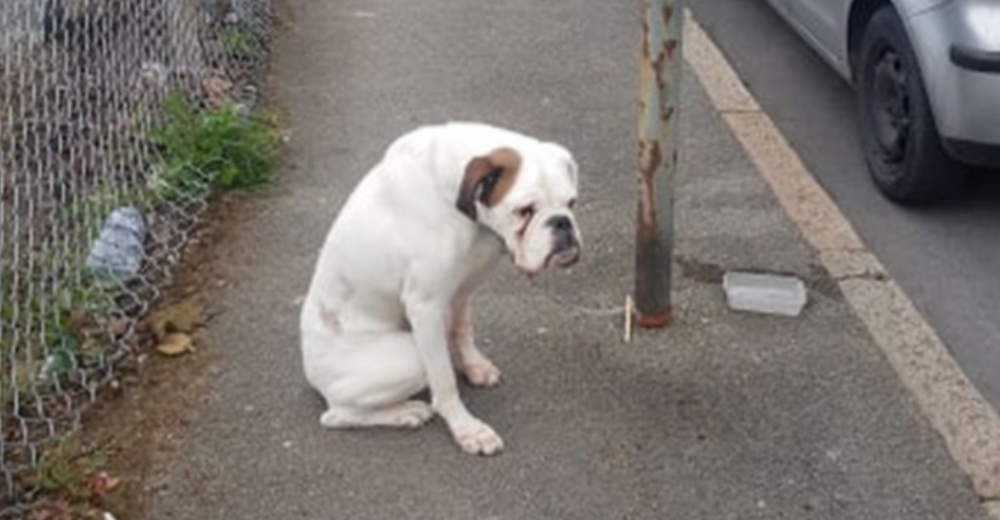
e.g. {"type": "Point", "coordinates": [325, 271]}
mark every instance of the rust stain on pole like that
{"type": "Point", "coordinates": [650, 159]}
{"type": "Point", "coordinates": [659, 83]}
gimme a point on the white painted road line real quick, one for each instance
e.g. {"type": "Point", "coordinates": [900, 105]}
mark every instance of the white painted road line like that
{"type": "Point", "coordinates": [968, 424]}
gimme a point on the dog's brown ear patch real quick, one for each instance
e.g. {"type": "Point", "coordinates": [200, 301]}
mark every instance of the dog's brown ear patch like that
{"type": "Point", "coordinates": [487, 179]}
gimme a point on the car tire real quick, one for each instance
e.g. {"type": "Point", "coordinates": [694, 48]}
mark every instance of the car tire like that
{"type": "Point", "coordinates": [902, 147]}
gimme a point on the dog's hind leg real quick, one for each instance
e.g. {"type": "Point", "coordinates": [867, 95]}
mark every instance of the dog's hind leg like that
{"type": "Point", "coordinates": [408, 414]}
{"type": "Point", "coordinates": [368, 379]}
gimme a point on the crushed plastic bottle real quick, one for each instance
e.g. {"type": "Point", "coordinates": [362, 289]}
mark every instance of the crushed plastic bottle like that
{"type": "Point", "coordinates": [765, 293]}
{"type": "Point", "coordinates": [118, 251]}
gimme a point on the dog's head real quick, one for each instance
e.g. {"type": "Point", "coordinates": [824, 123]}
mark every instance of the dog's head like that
{"type": "Point", "coordinates": [526, 196]}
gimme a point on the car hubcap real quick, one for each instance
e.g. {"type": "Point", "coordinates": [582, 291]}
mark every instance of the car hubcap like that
{"type": "Point", "coordinates": [891, 106]}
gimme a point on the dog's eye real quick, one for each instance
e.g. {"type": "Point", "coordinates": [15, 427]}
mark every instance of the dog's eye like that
{"type": "Point", "coordinates": [526, 212]}
{"type": "Point", "coordinates": [571, 203]}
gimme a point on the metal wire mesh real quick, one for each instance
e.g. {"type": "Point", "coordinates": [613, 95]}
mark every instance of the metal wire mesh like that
{"type": "Point", "coordinates": [82, 84]}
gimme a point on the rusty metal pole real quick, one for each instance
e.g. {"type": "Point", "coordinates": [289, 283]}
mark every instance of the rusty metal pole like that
{"type": "Point", "coordinates": [659, 77]}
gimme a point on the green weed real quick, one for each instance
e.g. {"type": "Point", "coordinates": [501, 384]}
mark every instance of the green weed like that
{"type": "Point", "coordinates": [212, 149]}
{"type": "Point", "coordinates": [240, 43]}
{"type": "Point", "coordinates": [64, 469]}
{"type": "Point", "coordinates": [42, 331]}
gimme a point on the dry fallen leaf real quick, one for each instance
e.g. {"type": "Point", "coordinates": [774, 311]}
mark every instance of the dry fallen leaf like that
{"type": "Point", "coordinates": [90, 345]}
{"type": "Point", "coordinates": [218, 90]}
{"type": "Point", "coordinates": [52, 510]}
{"type": "Point", "coordinates": [175, 344]}
{"type": "Point", "coordinates": [102, 483]}
{"type": "Point", "coordinates": [78, 322]}
{"type": "Point", "coordinates": [184, 316]}
{"type": "Point", "coordinates": [116, 326]}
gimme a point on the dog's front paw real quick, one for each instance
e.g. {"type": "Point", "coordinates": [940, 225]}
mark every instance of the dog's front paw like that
{"type": "Point", "coordinates": [481, 372]}
{"type": "Point", "coordinates": [478, 438]}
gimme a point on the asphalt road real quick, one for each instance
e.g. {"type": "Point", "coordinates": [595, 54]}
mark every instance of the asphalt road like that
{"type": "Point", "coordinates": [944, 258]}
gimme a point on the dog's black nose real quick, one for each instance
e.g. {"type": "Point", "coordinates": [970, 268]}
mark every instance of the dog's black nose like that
{"type": "Point", "coordinates": [560, 223]}
{"type": "Point", "coordinates": [562, 231]}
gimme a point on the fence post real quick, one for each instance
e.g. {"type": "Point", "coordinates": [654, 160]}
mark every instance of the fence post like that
{"type": "Point", "coordinates": [659, 77]}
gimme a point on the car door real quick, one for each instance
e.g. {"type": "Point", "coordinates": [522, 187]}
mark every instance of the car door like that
{"type": "Point", "coordinates": [824, 22]}
{"type": "Point", "coordinates": [781, 6]}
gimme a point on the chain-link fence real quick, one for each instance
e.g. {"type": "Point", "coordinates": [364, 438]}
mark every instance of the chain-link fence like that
{"type": "Point", "coordinates": [88, 229]}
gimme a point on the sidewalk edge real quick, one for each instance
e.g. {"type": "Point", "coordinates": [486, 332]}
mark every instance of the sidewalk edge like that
{"type": "Point", "coordinates": [955, 408]}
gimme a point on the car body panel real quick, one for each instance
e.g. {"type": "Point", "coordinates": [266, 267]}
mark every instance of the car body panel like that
{"type": "Point", "coordinates": [965, 102]}
{"type": "Point", "coordinates": [825, 20]}
{"type": "Point", "coordinates": [790, 11]}
{"type": "Point", "coordinates": [824, 24]}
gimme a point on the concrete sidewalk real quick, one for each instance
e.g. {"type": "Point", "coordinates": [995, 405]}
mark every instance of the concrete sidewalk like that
{"type": "Point", "coordinates": [724, 415]}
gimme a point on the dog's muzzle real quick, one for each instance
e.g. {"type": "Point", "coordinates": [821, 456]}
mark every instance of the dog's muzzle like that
{"type": "Point", "coordinates": [565, 248]}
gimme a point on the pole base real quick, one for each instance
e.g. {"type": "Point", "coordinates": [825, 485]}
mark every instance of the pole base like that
{"type": "Point", "coordinates": [655, 321]}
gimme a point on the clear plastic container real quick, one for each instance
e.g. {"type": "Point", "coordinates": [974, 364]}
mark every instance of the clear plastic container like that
{"type": "Point", "coordinates": [764, 293]}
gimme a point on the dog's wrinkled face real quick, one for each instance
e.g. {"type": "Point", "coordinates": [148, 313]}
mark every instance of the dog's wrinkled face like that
{"type": "Point", "coordinates": [526, 197]}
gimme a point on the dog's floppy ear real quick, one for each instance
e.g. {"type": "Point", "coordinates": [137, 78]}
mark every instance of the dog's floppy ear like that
{"type": "Point", "coordinates": [487, 179]}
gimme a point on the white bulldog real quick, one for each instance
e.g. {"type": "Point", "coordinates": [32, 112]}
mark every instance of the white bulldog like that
{"type": "Point", "coordinates": [391, 288]}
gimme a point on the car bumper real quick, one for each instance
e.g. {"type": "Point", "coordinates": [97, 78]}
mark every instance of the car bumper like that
{"type": "Point", "coordinates": [975, 60]}
{"type": "Point", "coordinates": [977, 154]}
{"type": "Point", "coordinates": [959, 54]}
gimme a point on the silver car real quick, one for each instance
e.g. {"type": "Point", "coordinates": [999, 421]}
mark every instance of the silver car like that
{"type": "Point", "coordinates": [927, 81]}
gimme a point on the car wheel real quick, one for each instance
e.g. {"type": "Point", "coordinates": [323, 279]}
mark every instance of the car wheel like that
{"type": "Point", "coordinates": [902, 147]}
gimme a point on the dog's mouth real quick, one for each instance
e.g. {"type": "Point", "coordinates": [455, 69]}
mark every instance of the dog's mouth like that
{"type": "Point", "coordinates": [563, 259]}
{"type": "Point", "coordinates": [560, 260]}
